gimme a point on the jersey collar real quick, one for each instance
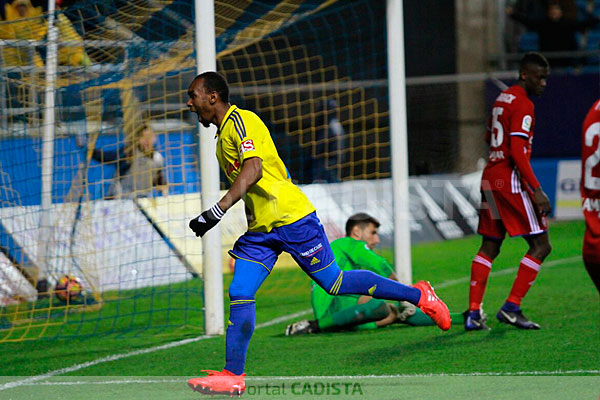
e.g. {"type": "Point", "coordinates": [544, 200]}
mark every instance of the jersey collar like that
{"type": "Point", "coordinates": [226, 117]}
{"type": "Point", "coordinates": [520, 89]}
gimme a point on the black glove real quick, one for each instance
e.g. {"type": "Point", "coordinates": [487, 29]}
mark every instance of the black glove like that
{"type": "Point", "coordinates": [207, 220]}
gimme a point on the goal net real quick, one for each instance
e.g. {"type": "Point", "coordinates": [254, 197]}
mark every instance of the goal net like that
{"type": "Point", "coordinates": [125, 170]}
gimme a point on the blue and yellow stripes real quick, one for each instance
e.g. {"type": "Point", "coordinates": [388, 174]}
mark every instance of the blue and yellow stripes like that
{"type": "Point", "coordinates": [238, 123]}
{"type": "Point", "coordinates": [337, 284]}
{"type": "Point", "coordinates": [232, 254]}
{"type": "Point", "coordinates": [240, 302]}
{"type": "Point", "coordinates": [328, 265]}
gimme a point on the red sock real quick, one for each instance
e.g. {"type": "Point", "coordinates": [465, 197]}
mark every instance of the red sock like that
{"type": "Point", "coordinates": [528, 270]}
{"type": "Point", "coordinates": [480, 271]}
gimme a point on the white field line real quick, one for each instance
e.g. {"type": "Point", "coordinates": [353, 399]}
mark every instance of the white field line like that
{"type": "Point", "coordinates": [322, 378]}
{"type": "Point", "coordinates": [116, 357]}
{"type": "Point", "coordinates": [283, 319]}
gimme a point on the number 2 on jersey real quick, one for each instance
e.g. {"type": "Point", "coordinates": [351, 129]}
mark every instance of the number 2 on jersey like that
{"type": "Point", "coordinates": [589, 181]}
{"type": "Point", "coordinates": [497, 129]}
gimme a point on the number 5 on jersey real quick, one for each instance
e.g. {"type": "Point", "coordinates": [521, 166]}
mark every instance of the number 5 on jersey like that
{"type": "Point", "coordinates": [497, 130]}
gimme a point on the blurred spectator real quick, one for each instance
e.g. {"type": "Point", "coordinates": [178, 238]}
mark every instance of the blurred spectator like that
{"type": "Point", "coordinates": [28, 22]}
{"type": "Point", "coordinates": [556, 29]}
{"type": "Point", "coordinates": [70, 55]}
{"type": "Point", "coordinates": [329, 143]}
{"type": "Point", "coordinates": [140, 168]}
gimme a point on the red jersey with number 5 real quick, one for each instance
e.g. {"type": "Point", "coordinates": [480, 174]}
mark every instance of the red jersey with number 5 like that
{"type": "Point", "coordinates": [512, 115]}
{"type": "Point", "coordinates": [590, 154]}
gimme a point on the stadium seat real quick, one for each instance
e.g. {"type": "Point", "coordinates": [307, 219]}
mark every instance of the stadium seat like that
{"type": "Point", "coordinates": [593, 40]}
{"type": "Point", "coordinates": [528, 42]}
{"type": "Point", "coordinates": [593, 43]}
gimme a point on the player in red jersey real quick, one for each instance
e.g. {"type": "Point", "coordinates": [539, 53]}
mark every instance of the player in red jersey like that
{"type": "Point", "coordinates": [512, 199]}
{"type": "Point", "coordinates": [590, 192]}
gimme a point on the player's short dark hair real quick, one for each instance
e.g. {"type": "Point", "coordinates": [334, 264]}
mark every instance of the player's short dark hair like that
{"type": "Point", "coordinates": [533, 58]}
{"type": "Point", "coordinates": [361, 220]}
{"type": "Point", "coordinates": [215, 82]}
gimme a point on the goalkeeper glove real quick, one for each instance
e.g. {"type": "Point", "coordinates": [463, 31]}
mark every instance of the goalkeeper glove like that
{"type": "Point", "coordinates": [207, 220]}
{"type": "Point", "coordinates": [405, 310]}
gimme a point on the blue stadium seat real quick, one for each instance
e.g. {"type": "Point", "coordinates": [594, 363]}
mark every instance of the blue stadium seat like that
{"type": "Point", "coordinates": [581, 5]}
{"type": "Point", "coordinates": [528, 42]}
{"type": "Point", "coordinates": [579, 39]}
{"type": "Point", "coordinates": [593, 40]}
{"type": "Point", "coordinates": [593, 43]}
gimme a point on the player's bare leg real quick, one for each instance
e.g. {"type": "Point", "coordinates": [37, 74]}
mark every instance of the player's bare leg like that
{"type": "Point", "coordinates": [539, 246]}
{"type": "Point", "coordinates": [490, 247]}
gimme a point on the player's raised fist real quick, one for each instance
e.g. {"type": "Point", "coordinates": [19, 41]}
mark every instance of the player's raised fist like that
{"type": "Point", "coordinates": [206, 221]}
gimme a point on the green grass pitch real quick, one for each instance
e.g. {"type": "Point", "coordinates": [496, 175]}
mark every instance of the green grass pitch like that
{"type": "Point", "coordinates": [561, 361]}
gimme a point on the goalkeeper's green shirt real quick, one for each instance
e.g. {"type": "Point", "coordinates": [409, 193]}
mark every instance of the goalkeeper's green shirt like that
{"type": "Point", "coordinates": [349, 254]}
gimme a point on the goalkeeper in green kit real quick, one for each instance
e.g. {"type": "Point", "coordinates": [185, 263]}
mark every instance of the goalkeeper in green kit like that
{"type": "Point", "coordinates": [346, 312]}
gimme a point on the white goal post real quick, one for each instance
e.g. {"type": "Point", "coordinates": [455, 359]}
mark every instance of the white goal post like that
{"type": "Point", "coordinates": [206, 60]}
{"type": "Point", "coordinates": [398, 137]}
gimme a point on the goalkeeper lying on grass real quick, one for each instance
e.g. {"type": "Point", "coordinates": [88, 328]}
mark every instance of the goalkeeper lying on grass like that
{"type": "Point", "coordinates": [355, 251]}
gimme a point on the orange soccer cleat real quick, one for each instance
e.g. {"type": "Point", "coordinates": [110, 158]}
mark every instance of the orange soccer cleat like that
{"type": "Point", "coordinates": [433, 306]}
{"type": "Point", "coordinates": [219, 382]}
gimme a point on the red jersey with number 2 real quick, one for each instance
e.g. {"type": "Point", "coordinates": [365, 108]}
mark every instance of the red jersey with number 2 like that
{"type": "Point", "coordinates": [512, 115]}
{"type": "Point", "coordinates": [590, 154]}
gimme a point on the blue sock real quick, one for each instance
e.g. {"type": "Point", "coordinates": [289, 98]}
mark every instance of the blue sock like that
{"type": "Point", "coordinates": [247, 278]}
{"type": "Point", "coordinates": [242, 318]}
{"type": "Point", "coordinates": [370, 284]}
{"type": "Point", "coordinates": [510, 307]}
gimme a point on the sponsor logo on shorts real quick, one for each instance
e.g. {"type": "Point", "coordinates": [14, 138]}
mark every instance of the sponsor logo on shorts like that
{"type": "Point", "coordinates": [312, 251]}
{"type": "Point", "coordinates": [314, 261]}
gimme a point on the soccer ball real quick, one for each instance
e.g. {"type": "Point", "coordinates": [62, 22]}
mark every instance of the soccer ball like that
{"type": "Point", "coordinates": [68, 288]}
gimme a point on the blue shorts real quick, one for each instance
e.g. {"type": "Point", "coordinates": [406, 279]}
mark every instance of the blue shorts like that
{"type": "Point", "coordinates": [304, 239]}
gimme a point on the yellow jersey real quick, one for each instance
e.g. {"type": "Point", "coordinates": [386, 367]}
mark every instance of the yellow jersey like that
{"type": "Point", "coordinates": [274, 200]}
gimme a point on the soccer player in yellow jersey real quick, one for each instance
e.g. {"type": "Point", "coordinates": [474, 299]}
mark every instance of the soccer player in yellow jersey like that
{"type": "Point", "coordinates": [280, 218]}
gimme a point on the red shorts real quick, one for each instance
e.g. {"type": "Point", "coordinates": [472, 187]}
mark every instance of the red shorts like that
{"type": "Point", "coordinates": [591, 239]}
{"type": "Point", "coordinates": [515, 213]}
